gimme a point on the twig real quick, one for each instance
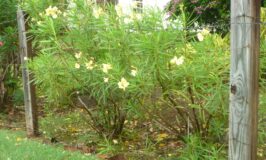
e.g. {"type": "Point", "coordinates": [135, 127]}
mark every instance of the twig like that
{"type": "Point", "coordinates": [90, 114]}
{"type": "Point", "coordinates": [193, 109]}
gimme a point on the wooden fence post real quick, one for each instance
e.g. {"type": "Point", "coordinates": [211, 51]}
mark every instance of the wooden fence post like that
{"type": "Point", "coordinates": [244, 76]}
{"type": "Point", "coordinates": [25, 49]}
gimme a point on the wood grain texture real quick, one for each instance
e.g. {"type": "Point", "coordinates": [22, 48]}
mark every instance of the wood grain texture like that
{"type": "Point", "coordinates": [244, 75]}
{"type": "Point", "coordinates": [29, 90]}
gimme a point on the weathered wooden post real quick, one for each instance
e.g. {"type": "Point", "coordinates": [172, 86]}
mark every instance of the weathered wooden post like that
{"type": "Point", "coordinates": [25, 49]}
{"type": "Point", "coordinates": [245, 43]}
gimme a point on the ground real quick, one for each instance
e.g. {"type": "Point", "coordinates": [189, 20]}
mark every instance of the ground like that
{"type": "Point", "coordinates": [15, 146]}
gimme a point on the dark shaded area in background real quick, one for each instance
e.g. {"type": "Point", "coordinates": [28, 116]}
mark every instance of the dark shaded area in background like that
{"type": "Point", "coordinates": [215, 14]}
{"type": "Point", "coordinates": [9, 57]}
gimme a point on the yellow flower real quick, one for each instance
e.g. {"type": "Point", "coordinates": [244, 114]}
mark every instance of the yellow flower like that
{"type": "Point", "coordinates": [18, 139]}
{"type": "Point", "coordinates": [77, 65]}
{"type": "Point", "coordinates": [39, 22]}
{"type": "Point", "coordinates": [106, 67]}
{"type": "Point", "coordinates": [123, 84]}
{"type": "Point", "coordinates": [105, 79]}
{"type": "Point", "coordinates": [97, 12]}
{"type": "Point", "coordinates": [134, 72]}
{"type": "Point", "coordinates": [64, 14]}
{"type": "Point", "coordinates": [173, 60]}
{"type": "Point", "coordinates": [90, 65]}
{"type": "Point", "coordinates": [205, 32]}
{"type": "Point", "coordinates": [40, 14]}
{"type": "Point", "coordinates": [115, 141]}
{"type": "Point", "coordinates": [202, 33]}
{"type": "Point", "coordinates": [78, 55]}
{"type": "Point", "coordinates": [52, 11]}
{"type": "Point", "coordinates": [177, 61]}
{"type": "Point", "coordinates": [161, 136]}
{"type": "Point", "coordinates": [200, 37]}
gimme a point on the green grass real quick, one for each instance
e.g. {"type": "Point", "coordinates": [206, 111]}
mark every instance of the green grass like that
{"type": "Point", "coordinates": [15, 146]}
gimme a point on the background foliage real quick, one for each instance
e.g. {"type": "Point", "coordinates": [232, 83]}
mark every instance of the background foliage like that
{"type": "Point", "coordinates": [215, 13]}
{"type": "Point", "coordinates": [9, 58]}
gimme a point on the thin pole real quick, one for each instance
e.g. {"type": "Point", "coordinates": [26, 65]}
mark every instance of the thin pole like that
{"type": "Point", "coordinates": [25, 49]}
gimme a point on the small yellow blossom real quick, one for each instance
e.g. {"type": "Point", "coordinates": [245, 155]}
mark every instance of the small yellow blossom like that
{"type": "Point", "coordinates": [200, 37]}
{"type": "Point", "coordinates": [123, 84]}
{"type": "Point", "coordinates": [78, 55]}
{"type": "Point", "coordinates": [202, 33]}
{"type": "Point", "coordinates": [106, 67]}
{"type": "Point", "coordinates": [77, 65]}
{"type": "Point", "coordinates": [64, 14]}
{"type": "Point", "coordinates": [177, 61]}
{"type": "Point", "coordinates": [205, 32]}
{"type": "Point", "coordinates": [134, 72]}
{"type": "Point", "coordinates": [97, 12]}
{"type": "Point", "coordinates": [115, 141]}
{"type": "Point", "coordinates": [90, 65]}
{"type": "Point", "coordinates": [39, 22]}
{"type": "Point", "coordinates": [18, 139]}
{"type": "Point", "coordinates": [161, 136]}
{"type": "Point", "coordinates": [106, 80]}
{"type": "Point", "coordinates": [260, 154]}
{"type": "Point", "coordinates": [52, 11]}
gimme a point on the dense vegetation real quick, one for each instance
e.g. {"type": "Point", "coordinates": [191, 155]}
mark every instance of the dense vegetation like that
{"type": "Point", "coordinates": [9, 58]}
{"type": "Point", "coordinates": [138, 83]}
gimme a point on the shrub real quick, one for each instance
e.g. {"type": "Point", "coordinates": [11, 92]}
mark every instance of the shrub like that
{"type": "Point", "coordinates": [122, 63]}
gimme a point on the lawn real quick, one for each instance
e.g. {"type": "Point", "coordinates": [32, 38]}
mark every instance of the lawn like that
{"type": "Point", "coordinates": [15, 146]}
